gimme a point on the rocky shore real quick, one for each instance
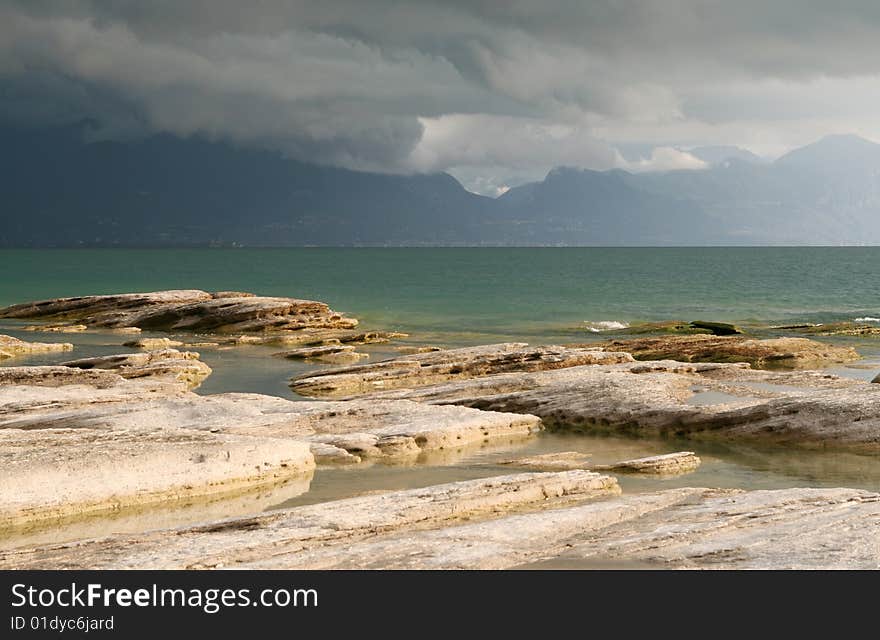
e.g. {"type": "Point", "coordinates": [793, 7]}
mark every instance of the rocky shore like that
{"type": "Point", "coordinates": [126, 432]}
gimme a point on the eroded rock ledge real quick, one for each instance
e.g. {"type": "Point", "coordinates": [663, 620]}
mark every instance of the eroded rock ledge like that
{"type": "Point", "coordinates": [48, 475]}
{"type": "Point", "coordinates": [423, 529]}
{"type": "Point", "coordinates": [188, 310]}
{"type": "Point", "coordinates": [11, 347]}
{"type": "Point", "coordinates": [290, 532]}
{"type": "Point", "coordinates": [442, 366]}
{"type": "Point", "coordinates": [65, 429]}
{"type": "Point", "coordinates": [793, 353]}
{"type": "Point", "coordinates": [183, 366]}
{"type": "Point", "coordinates": [666, 398]}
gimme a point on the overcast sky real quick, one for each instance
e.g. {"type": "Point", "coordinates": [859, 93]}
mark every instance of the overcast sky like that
{"type": "Point", "coordinates": [496, 92]}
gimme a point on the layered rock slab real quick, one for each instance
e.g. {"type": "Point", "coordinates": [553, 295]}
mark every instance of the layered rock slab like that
{"type": "Point", "coordinates": [36, 398]}
{"type": "Point", "coordinates": [423, 369]}
{"type": "Point", "coordinates": [183, 366]}
{"type": "Point", "coordinates": [282, 534]}
{"type": "Point", "coordinates": [677, 529]}
{"type": "Point", "coordinates": [667, 464]}
{"type": "Point", "coordinates": [189, 310]}
{"type": "Point", "coordinates": [53, 474]}
{"type": "Point", "coordinates": [656, 398]}
{"type": "Point", "coordinates": [770, 353]}
{"type": "Point", "coordinates": [11, 347]}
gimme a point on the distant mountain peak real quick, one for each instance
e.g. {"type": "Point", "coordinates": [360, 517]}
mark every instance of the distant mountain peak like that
{"type": "Point", "coordinates": [840, 151]}
{"type": "Point", "coordinates": [718, 154]}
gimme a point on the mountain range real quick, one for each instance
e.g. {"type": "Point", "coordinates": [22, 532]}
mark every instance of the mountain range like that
{"type": "Point", "coordinates": [60, 190]}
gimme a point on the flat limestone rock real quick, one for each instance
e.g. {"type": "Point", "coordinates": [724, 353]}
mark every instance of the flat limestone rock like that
{"type": "Point", "coordinates": [659, 398]}
{"type": "Point", "coordinates": [390, 428]}
{"type": "Point", "coordinates": [342, 357]}
{"type": "Point", "coordinates": [669, 464]}
{"type": "Point", "coordinates": [37, 398]}
{"type": "Point", "coordinates": [688, 528]}
{"type": "Point", "coordinates": [306, 353]}
{"type": "Point", "coordinates": [442, 366]}
{"type": "Point", "coordinates": [153, 344]}
{"type": "Point", "coordinates": [834, 329]}
{"type": "Point", "coordinates": [288, 533]}
{"type": "Point", "coordinates": [51, 474]}
{"type": "Point", "coordinates": [562, 461]}
{"type": "Point", "coordinates": [183, 366]}
{"type": "Point", "coordinates": [329, 353]}
{"type": "Point", "coordinates": [309, 337]}
{"type": "Point", "coordinates": [408, 350]}
{"type": "Point", "coordinates": [11, 347]}
{"type": "Point", "coordinates": [56, 376]}
{"type": "Point", "coordinates": [771, 353]}
{"type": "Point", "coordinates": [57, 328]}
{"type": "Point", "coordinates": [189, 310]}
{"type": "Point", "coordinates": [665, 465]}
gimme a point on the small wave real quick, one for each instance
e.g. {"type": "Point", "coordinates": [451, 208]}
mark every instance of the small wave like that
{"type": "Point", "coordinates": [867, 319]}
{"type": "Point", "coordinates": [605, 325]}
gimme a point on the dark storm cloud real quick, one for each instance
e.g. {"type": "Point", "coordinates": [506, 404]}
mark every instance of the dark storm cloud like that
{"type": "Point", "coordinates": [390, 85]}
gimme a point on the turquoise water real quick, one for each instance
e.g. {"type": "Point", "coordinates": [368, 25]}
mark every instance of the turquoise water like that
{"type": "Point", "coordinates": [483, 293]}
{"type": "Point", "coordinates": [461, 296]}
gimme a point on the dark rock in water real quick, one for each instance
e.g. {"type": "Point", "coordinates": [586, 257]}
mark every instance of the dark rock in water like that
{"type": "Point", "coordinates": [716, 328]}
{"type": "Point", "coordinates": [685, 328]}
{"type": "Point", "coordinates": [672, 326]}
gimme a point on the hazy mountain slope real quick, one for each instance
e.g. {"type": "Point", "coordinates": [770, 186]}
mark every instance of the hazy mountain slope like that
{"type": "Point", "coordinates": [164, 190]}
{"type": "Point", "coordinates": [58, 190]}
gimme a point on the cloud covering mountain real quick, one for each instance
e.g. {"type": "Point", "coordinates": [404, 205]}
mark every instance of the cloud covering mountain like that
{"type": "Point", "coordinates": [497, 93]}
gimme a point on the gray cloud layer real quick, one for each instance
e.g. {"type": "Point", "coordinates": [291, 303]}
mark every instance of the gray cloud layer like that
{"type": "Point", "coordinates": [488, 89]}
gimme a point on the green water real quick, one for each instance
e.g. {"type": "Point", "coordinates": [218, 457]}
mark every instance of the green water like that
{"type": "Point", "coordinates": [483, 293]}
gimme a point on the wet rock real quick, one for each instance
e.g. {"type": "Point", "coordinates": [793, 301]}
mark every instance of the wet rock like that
{"type": "Point", "coordinates": [53, 474]}
{"type": "Point", "coordinates": [441, 366]}
{"type": "Point", "coordinates": [11, 347]}
{"type": "Point", "coordinates": [669, 464]}
{"type": "Point", "coordinates": [655, 398]}
{"type": "Point", "coordinates": [286, 534]}
{"type": "Point", "coordinates": [776, 352]}
{"type": "Point", "coordinates": [183, 366]}
{"type": "Point", "coordinates": [189, 310]}
{"type": "Point", "coordinates": [57, 328]}
{"type": "Point", "coordinates": [153, 344]}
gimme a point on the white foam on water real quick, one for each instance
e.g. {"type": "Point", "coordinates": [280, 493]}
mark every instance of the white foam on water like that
{"type": "Point", "coordinates": [605, 325]}
{"type": "Point", "coordinates": [867, 319]}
